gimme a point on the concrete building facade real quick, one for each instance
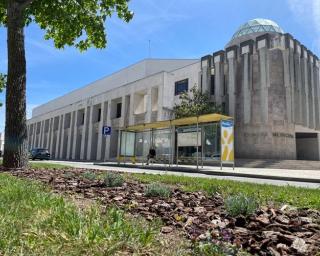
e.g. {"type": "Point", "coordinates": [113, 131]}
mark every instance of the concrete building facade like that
{"type": "Point", "coordinates": [267, 80]}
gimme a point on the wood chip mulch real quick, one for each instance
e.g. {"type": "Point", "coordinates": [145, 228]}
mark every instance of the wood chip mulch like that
{"type": "Point", "coordinates": [270, 231]}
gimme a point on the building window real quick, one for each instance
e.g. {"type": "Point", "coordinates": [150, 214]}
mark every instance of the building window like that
{"type": "Point", "coordinates": [99, 115]}
{"type": "Point", "coordinates": [181, 86]}
{"type": "Point", "coordinates": [119, 106]}
{"type": "Point", "coordinates": [82, 119]}
{"type": "Point", "coordinates": [212, 86]}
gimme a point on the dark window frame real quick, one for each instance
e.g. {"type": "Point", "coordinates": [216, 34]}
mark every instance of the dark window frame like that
{"type": "Point", "coordinates": [212, 85]}
{"type": "Point", "coordinates": [118, 109]}
{"type": "Point", "coordinates": [99, 115]}
{"type": "Point", "coordinates": [184, 82]}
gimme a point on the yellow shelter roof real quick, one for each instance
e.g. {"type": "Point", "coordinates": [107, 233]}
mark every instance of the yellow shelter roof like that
{"type": "Point", "coordinates": [208, 118]}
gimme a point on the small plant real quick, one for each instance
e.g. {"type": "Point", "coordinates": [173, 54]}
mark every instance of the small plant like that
{"type": "Point", "coordinates": [113, 179]}
{"type": "Point", "coordinates": [89, 176]}
{"type": "Point", "coordinates": [240, 205]}
{"type": "Point", "coordinates": [157, 189]}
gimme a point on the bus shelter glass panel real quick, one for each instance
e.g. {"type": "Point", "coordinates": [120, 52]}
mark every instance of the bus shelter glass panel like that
{"type": "Point", "coordinates": [142, 143]}
{"type": "Point", "coordinates": [211, 141]}
{"type": "Point", "coordinates": [188, 139]}
{"type": "Point", "coordinates": [127, 143]}
{"type": "Point", "coordinates": [162, 143]}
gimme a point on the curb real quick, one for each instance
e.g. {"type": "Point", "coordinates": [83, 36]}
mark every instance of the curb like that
{"type": "Point", "coordinates": [214, 173]}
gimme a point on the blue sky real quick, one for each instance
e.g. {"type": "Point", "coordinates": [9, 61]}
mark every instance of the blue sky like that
{"type": "Point", "coordinates": [176, 29]}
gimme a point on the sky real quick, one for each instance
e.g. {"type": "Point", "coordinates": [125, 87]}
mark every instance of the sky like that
{"type": "Point", "coordinates": [175, 29]}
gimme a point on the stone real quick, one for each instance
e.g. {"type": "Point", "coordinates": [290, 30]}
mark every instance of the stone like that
{"type": "Point", "coordinates": [300, 245]}
{"type": "Point", "coordinates": [118, 198]}
{"type": "Point", "coordinates": [199, 210]}
{"type": "Point", "coordinates": [166, 230]}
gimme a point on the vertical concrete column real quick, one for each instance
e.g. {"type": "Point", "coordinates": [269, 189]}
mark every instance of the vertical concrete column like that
{"type": "Point", "coordinates": [63, 117]}
{"type": "Point", "coordinates": [160, 103]}
{"type": "Point", "coordinates": [51, 135]}
{"type": "Point", "coordinates": [101, 124]}
{"type": "Point", "coordinates": [123, 111]}
{"type": "Point", "coordinates": [108, 122]}
{"type": "Point", "coordinates": [317, 100]}
{"type": "Point", "coordinates": [287, 84]}
{"type": "Point", "coordinates": [264, 83]}
{"type": "Point", "coordinates": [56, 155]}
{"type": "Point", "coordinates": [205, 72]}
{"type": "Point", "coordinates": [246, 89]}
{"type": "Point", "coordinates": [70, 135]}
{"type": "Point", "coordinates": [298, 86]}
{"type": "Point", "coordinates": [305, 89]}
{"type": "Point", "coordinates": [149, 106]}
{"type": "Point", "coordinates": [231, 56]}
{"type": "Point", "coordinates": [90, 128]}
{"type": "Point", "coordinates": [218, 78]}
{"type": "Point", "coordinates": [41, 134]}
{"type": "Point", "coordinates": [34, 135]}
{"type": "Point", "coordinates": [84, 131]}
{"type": "Point", "coordinates": [131, 108]}
{"type": "Point", "coordinates": [75, 135]}
{"type": "Point", "coordinates": [312, 95]}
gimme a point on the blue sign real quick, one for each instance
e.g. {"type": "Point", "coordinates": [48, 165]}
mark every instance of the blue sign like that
{"type": "Point", "coordinates": [106, 130]}
{"type": "Point", "coordinates": [227, 123]}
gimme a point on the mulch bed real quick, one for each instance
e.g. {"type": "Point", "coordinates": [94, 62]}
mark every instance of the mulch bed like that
{"type": "Point", "coordinates": [270, 231]}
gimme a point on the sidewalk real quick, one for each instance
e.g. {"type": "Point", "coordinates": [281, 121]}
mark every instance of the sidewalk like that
{"type": "Point", "coordinates": [312, 176]}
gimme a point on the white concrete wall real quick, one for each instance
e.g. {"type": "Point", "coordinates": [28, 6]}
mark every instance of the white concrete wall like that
{"type": "Point", "coordinates": [125, 76]}
{"type": "Point", "coordinates": [67, 137]}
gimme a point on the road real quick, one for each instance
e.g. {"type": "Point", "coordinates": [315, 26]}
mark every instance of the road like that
{"type": "Point", "coordinates": [90, 165]}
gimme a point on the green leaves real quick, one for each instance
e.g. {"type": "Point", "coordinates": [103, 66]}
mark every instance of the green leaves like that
{"type": "Point", "coordinates": [79, 23]}
{"type": "Point", "coordinates": [3, 82]}
{"type": "Point", "coordinates": [196, 104]}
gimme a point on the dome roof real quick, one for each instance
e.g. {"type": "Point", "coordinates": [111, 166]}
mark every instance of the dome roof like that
{"type": "Point", "coordinates": [256, 26]}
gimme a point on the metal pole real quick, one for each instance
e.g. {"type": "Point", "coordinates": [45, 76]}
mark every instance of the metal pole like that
{"type": "Point", "coordinates": [220, 145]}
{"type": "Point", "coordinates": [197, 144]}
{"type": "Point", "coordinates": [202, 144]}
{"type": "Point", "coordinates": [119, 146]}
{"type": "Point", "coordinates": [177, 149]}
{"type": "Point", "coordinates": [125, 147]}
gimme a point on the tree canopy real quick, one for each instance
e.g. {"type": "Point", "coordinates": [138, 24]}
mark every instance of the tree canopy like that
{"type": "Point", "coordinates": [194, 104]}
{"type": "Point", "coordinates": [79, 23]}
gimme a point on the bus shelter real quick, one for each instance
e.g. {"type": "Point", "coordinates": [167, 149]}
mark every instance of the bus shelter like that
{"type": "Point", "coordinates": [193, 140]}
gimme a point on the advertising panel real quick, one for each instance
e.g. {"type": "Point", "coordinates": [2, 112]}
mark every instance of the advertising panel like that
{"type": "Point", "coordinates": [227, 141]}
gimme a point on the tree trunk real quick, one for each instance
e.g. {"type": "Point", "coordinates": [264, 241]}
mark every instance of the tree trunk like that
{"type": "Point", "coordinates": [15, 148]}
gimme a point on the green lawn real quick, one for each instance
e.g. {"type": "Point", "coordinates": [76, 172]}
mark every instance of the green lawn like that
{"type": "Point", "coordinates": [299, 197]}
{"type": "Point", "coordinates": [33, 221]}
{"type": "Point", "coordinates": [44, 165]}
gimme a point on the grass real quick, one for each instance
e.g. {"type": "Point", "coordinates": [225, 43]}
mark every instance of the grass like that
{"type": "Point", "coordinates": [113, 179]}
{"type": "Point", "coordinates": [240, 205]}
{"type": "Point", "coordinates": [262, 193]}
{"type": "Point", "coordinates": [45, 165]}
{"type": "Point", "coordinates": [34, 221]}
{"type": "Point", "coordinates": [157, 189]}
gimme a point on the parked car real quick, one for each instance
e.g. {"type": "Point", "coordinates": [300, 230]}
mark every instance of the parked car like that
{"type": "Point", "coordinates": [39, 153]}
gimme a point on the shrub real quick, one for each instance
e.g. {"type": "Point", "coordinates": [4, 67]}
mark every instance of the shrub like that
{"type": "Point", "coordinates": [157, 189]}
{"type": "Point", "coordinates": [240, 205]}
{"type": "Point", "coordinates": [89, 175]}
{"type": "Point", "coordinates": [113, 179]}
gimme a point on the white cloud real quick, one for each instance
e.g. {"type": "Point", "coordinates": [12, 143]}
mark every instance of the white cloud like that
{"type": "Point", "coordinates": [307, 12]}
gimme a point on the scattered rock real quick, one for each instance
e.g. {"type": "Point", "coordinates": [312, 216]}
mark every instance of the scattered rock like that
{"type": "Point", "coordinates": [166, 230]}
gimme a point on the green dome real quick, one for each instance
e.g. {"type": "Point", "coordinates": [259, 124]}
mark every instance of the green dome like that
{"type": "Point", "coordinates": [256, 26]}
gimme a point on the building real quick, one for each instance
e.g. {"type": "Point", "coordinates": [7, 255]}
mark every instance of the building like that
{"type": "Point", "coordinates": [267, 80]}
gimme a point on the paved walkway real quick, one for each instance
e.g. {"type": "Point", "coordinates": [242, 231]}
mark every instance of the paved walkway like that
{"type": "Point", "coordinates": [301, 178]}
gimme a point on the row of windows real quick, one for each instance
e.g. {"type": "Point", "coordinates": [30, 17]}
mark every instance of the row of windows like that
{"type": "Point", "coordinates": [118, 114]}
{"type": "Point", "coordinates": [182, 86]}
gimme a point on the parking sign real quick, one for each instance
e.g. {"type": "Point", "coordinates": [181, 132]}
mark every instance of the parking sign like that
{"type": "Point", "coordinates": [106, 130]}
